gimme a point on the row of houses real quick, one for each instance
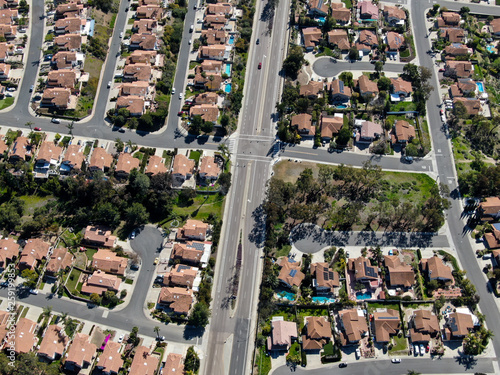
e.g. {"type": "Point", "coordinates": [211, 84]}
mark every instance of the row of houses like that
{"type": "Point", "coordinates": [353, 325]}
{"type": "Point", "coordinates": [79, 353]}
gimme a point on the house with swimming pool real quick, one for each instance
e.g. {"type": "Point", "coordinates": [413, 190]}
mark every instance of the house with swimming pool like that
{"type": "Point", "coordinates": [363, 279]}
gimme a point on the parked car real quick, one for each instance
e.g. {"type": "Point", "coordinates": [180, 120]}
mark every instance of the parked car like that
{"type": "Point", "coordinates": [416, 350]}
{"type": "Point", "coordinates": [132, 235]}
{"type": "Point", "coordinates": [358, 353]}
{"type": "Point", "coordinates": [422, 349]}
{"type": "Point", "coordinates": [342, 365]}
{"type": "Point", "coordinates": [121, 34]}
{"type": "Point", "coordinates": [11, 89]}
{"type": "Point", "coordinates": [121, 130]}
{"type": "Point", "coordinates": [173, 90]}
{"type": "Point", "coordinates": [408, 159]}
{"type": "Point", "coordinates": [160, 338]}
{"type": "Point", "coordinates": [32, 88]}
{"type": "Point", "coordinates": [258, 41]}
{"type": "Point", "coordinates": [55, 121]}
{"type": "Point", "coordinates": [5, 284]}
{"type": "Point", "coordinates": [396, 360]}
{"type": "Point", "coordinates": [109, 84]}
{"type": "Point", "coordinates": [37, 129]}
{"type": "Point", "coordinates": [33, 291]}
{"type": "Point", "coordinates": [120, 339]}
{"type": "Point", "coordinates": [260, 66]}
{"type": "Point", "coordinates": [156, 261]}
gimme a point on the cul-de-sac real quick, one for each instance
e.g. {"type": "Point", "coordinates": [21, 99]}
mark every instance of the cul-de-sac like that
{"type": "Point", "coordinates": [249, 187]}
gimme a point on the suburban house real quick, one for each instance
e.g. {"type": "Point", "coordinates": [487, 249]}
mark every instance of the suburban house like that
{"type": "Point", "coordinates": [137, 72]}
{"type": "Point", "coordinates": [448, 19]}
{"type": "Point", "coordinates": [436, 269]}
{"type": "Point", "coordinates": [311, 90]}
{"type": "Point", "coordinates": [54, 343]}
{"type": "Point", "coordinates": [363, 271]}
{"type": "Point", "coordinates": [369, 132]}
{"type": "Point", "coordinates": [60, 260]}
{"type": "Point", "coordinates": [208, 112]}
{"type": "Point", "coordinates": [495, 27]}
{"type": "Point", "coordinates": [57, 97]}
{"type": "Point", "coordinates": [69, 25]}
{"type": "Point", "coordinates": [311, 37]}
{"type": "Point", "coordinates": [142, 57]}
{"type": "Point", "coordinates": [189, 253]}
{"type": "Point", "coordinates": [457, 49]}
{"type": "Point", "coordinates": [149, 12]}
{"type": "Point", "coordinates": [464, 87]}
{"type": "Point", "coordinates": [210, 81]}
{"type": "Point", "coordinates": [325, 279]}
{"type": "Point", "coordinates": [99, 236]}
{"type": "Point", "coordinates": [107, 261]}
{"type": "Point", "coordinates": [68, 42]}
{"type": "Point", "coordinates": [144, 26]}
{"type": "Point", "coordinates": [453, 35]}
{"type": "Point", "coordinates": [353, 326]}
{"type": "Point", "coordinates": [73, 158]}
{"type": "Point", "coordinates": [9, 251]}
{"type": "Point", "coordinates": [81, 353]}
{"type": "Point", "coordinates": [394, 15]}
{"type": "Point", "coordinates": [458, 69]}
{"type": "Point", "coordinates": [303, 123]}
{"type": "Point", "coordinates": [339, 38]}
{"type": "Point", "coordinates": [155, 166]}
{"type": "Point", "coordinates": [144, 363]}
{"type": "Point", "coordinates": [400, 88]}
{"type": "Point", "coordinates": [367, 40]}
{"type": "Point", "coordinates": [318, 333]}
{"type": "Point", "coordinates": [282, 335]}
{"type": "Point", "coordinates": [213, 52]}
{"type": "Point", "coordinates": [386, 324]}
{"type": "Point", "coordinates": [214, 21]}
{"type": "Point", "coordinates": [100, 160]}
{"type": "Point", "coordinates": [209, 66]}
{"type": "Point", "coordinates": [212, 36]}
{"type": "Point", "coordinates": [489, 209]}
{"type": "Point", "coordinates": [20, 149]}
{"type": "Point", "coordinates": [110, 361]}
{"type": "Point", "coordinates": [4, 72]}
{"type": "Point", "coordinates": [146, 42]}
{"type": "Point", "coordinates": [472, 105]}
{"type": "Point", "coordinates": [402, 132]}
{"type": "Point", "coordinates": [67, 60]}
{"type": "Point", "coordinates": [180, 275]}
{"type": "Point", "coordinates": [492, 240]}
{"type": "Point", "coordinates": [25, 337]}
{"type": "Point", "coordinates": [134, 104]}
{"type": "Point", "coordinates": [69, 10]}
{"type": "Point", "coordinates": [100, 282]}
{"type": "Point", "coordinates": [48, 154]}
{"type": "Point", "coordinates": [193, 230]}
{"type": "Point", "coordinates": [367, 10]}
{"type": "Point", "coordinates": [399, 274]}
{"type": "Point", "coordinates": [394, 41]}
{"type": "Point", "coordinates": [206, 98]}
{"type": "Point", "coordinates": [318, 8]}
{"type": "Point", "coordinates": [34, 251]}
{"type": "Point", "coordinates": [424, 325]}
{"type": "Point", "coordinates": [339, 93]}
{"type": "Point", "coordinates": [177, 299]}
{"type": "Point", "coordinates": [174, 365]}
{"type": "Point", "coordinates": [367, 88]}
{"type": "Point", "coordinates": [331, 125]}
{"type": "Point", "coordinates": [290, 273]}
{"type": "Point", "coordinates": [340, 14]}
{"type": "Point", "coordinates": [183, 168]}
{"type": "Point", "coordinates": [457, 326]}
{"type": "Point", "coordinates": [219, 8]}
{"type": "Point", "coordinates": [125, 164]}
{"type": "Point", "coordinates": [209, 169]}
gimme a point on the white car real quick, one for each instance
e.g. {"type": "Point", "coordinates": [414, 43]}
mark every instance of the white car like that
{"type": "Point", "coordinates": [120, 339]}
{"type": "Point", "coordinates": [415, 349]}
{"type": "Point", "coordinates": [396, 360]}
{"type": "Point", "coordinates": [180, 96]}
{"type": "Point", "coordinates": [358, 353]}
{"type": "Point", "coordinates": [422, 349]}
{"type": "Point", "coordinates": [121, 35]}
{"type": "Point", "coordinates": [33, 291]}
{"type": "Point", "coordinates": [173, 90]}
{"type": "Point", "coordinates": [132, 235]}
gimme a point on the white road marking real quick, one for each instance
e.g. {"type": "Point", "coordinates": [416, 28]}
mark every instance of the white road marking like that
{"type": "Point", "coordinates": [105, 313]}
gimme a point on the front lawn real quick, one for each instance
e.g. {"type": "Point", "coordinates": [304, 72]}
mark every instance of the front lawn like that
{"type": "Point", "coordinates": [263, 361]}
{"type": "Point", "coordinates": [6, 102]}
{"type": "Point", "coordinates": [399, 344]}
{"type": "Point", "coordinates": [202, 207]}
{"type": "Point", "coordinates": [331, 353]}
{"type": "Point", "coordinates": [72, 282]}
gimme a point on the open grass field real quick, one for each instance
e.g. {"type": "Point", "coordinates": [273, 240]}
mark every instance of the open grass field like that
{"type": "Point", "coordinates": [202, 207]}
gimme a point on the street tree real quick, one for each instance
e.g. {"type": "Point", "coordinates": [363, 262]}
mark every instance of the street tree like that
{"type": "Point", "coordinates": [199, 316]}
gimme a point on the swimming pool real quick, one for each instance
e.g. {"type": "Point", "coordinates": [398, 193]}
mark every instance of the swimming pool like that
{"type": "Point", "coordinates": [286, 295]}
{"type": "Point", "coordinates": [341, 106]}
{"type": "Point", "coordinates": [323, 300]}
{"type": "Point", "coordinates": [490, 48]}
{"type": "Point", "coordinates": [365, 295]}
{"type": "Point", "coordinates": [480, 86]}
{"type": "Point", "coordinates": [228, 69]}
{"type": "Point", "coordinates": [231, 39]}
{"type": "Point", "coordinates": [228, 88]}
{"type": "Point", "coordinates": [321, 20]}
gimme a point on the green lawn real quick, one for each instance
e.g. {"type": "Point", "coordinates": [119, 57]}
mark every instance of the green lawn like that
{"type": "Point", "coordinates": [414, 187]}
{"type": "Point", "coordinates": [195, 155]}
{"type": "Point", "coordinates": [348, 3]}
{"type": "Point", "coordinates": [202, 208]}
{"type": "Point", "coordinates": [25, 312]}
{"type": "Point", "coordinates": [302, 313]}
{"type": "Point", "coordinates": [399, 344]}
{"type": "Point", "coordinates": [73, 280]}
{"type": "Point", "coordinates": [403, 106]}
{"type": "Point", "coordinates": [33, 201]}
{"type": "Point", "coordinates": [372, 306]}
{"type": "Point", "coordinates": [7, 102]}
{"type": "Point", "coordinates": [284, 251]}
{"type": "Point", "coordinates": [263, 361]}
{"type": "Point", "coordinates": [90, 253]}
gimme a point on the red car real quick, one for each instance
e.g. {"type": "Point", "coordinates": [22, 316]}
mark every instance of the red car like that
{"type": "Point", "coordinates": [260, 66]}
{"type": "Point", "coordinates": [37, 129]}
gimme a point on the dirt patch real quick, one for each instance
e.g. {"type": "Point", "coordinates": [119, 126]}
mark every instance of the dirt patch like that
{"type": "Point", "coordinates": [101, 18]}
{"type": "Point", "coordinates": [81, 260]}
{"type": "Point", "coordinates": [289, 171]}
{"type": "Point", "coordinates": [98, 337]}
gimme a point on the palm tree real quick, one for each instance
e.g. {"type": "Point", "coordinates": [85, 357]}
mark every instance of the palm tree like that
{"type": "Point", "coordinates": [47, 311]}
{"type": "Point", "coordinates": [64, 316]}
{"type": "Point", "coordinates": [29, 124]}
{"type": "Point", "coordinates": [70, 127]}
{"type": "Point", "coordinates": [225, 152]}
{"type": "Point", "coordinates": [157, 331]}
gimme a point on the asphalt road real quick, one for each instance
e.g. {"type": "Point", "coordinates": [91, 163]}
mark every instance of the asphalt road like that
{"type": "Point", "coordinates": [325, 67]}
{"type": "Point", "coordinates": [309, 238]}
{"type": "Point", "coordinates": [147, 244]}
{"type": "Point", "coordinates": [385, 367]}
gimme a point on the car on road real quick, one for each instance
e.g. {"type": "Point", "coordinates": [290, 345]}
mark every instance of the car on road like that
{"type": "Point", "coordinates": [396, 360]}
{"type": "Point", "coordinates": [342, 365]}
{"type": "Point", "coordinates": [180, 96]}
{"type": "Point", "coordinates": [189, 41]}
{"type": "Point", "coordinates": [55, 121]}
{"type": "Point", "coordinates": [194, 7]}
{"type": "Point", "coordinates": [156, 261]}
{"type": "Point", "coordinates": [126, 9]}
{"type": "Point", "coordinates": [260, 66]}
{"type": "Point", "coordinates": [160, 338]}
{"type": "Point", "coordinates": [32, 88]}
{"type": "Point", "coordinates": [33, 291]}
{"type": "Point", "coordinates": [121, 130]}
{"type": "Point", "coordinates": [258, 41]}
{"type": "Point", "coordinates": [5, 284]}
{"type": "Point", "coordinates": [120, 339]}
{"type": "Point", "coordinates": [191, 28]}
{"type": "Point", "coordinates": [408, 159]}
{"type": "Point", "coordinates": [109, 84]}
{"type": "Point", "coordinates": [37, 129]}
{"type": "Point", "coordinates": [121, 34]}
{"type": "Point", "coordinates": [173, 90]}
{"type": "Point", "coordinates": [132, 235]}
